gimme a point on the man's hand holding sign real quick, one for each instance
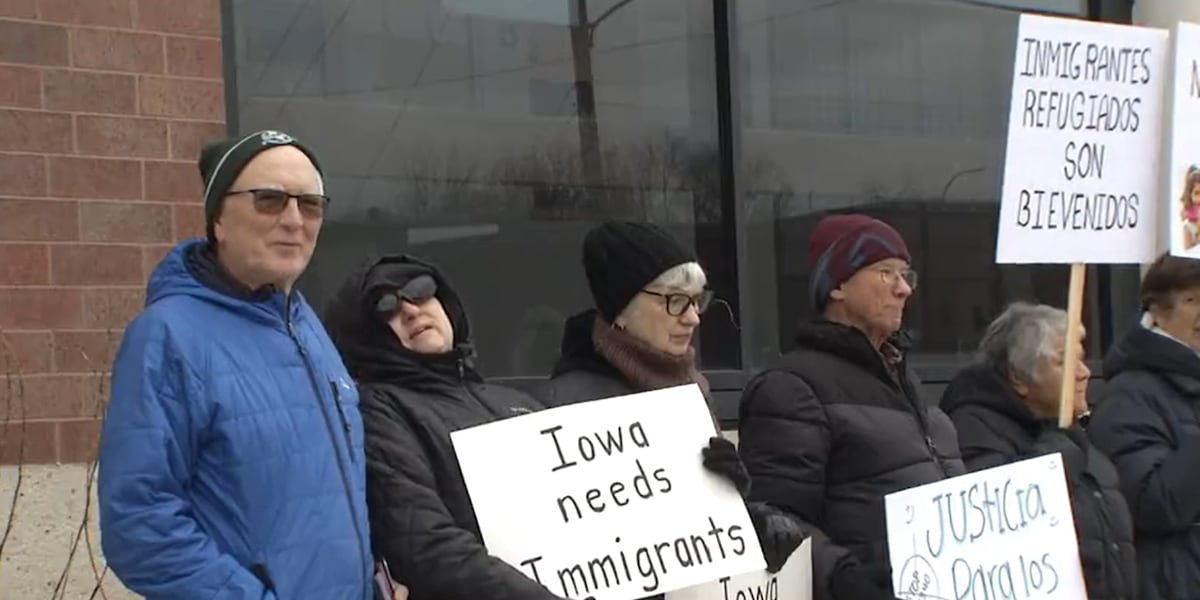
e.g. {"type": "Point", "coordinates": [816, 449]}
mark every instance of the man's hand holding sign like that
{"type": "Point", "coordinates": [609, 499]}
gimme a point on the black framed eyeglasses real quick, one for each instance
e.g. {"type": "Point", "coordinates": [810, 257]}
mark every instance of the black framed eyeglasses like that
{"type": "Point", "coordinates": [677, 304]}
{"type": "Point", "coordinates": [273, 202]}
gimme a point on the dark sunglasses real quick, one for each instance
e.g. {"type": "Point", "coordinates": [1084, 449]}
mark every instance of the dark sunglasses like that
{"type": "Point", "coordinates": [417, 291]}
{"type": "Point", "coordinates": [677, 304]}
{"type": "Point", "coordinates": [274, 202]}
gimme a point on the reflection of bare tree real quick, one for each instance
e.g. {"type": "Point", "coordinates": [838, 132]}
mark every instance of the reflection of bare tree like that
{"type": "Point", "coordinates": [435, 180]}
{"type": "Point", "coordinates": [765, 189]}
{"type": "Point", "coordinates": [659, 177]}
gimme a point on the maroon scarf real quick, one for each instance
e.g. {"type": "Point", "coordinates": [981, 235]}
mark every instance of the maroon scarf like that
{"type": "Point", "coordinates": [643, 366]}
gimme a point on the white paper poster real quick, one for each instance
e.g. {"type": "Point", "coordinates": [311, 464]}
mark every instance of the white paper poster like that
{"type": "Point", "coordinates": [1081, 172]}
{"type": "Point", "coordinates": [608, 499]}
{"type": "Point", "coordinates": [1006, 532]}
{"type": "Point", "coordinates": [792, 582]}
{"type": "Point", "coordinates": [1182, 185]}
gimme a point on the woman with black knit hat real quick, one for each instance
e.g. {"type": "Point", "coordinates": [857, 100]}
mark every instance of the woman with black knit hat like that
{"type": "Point", "coordinates": [405, 338]}
{"type": "Point", "coordinates": [649, 292]}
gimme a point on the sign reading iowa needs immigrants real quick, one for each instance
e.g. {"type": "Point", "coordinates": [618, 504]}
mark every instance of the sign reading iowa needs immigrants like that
{"type": "Point", "coordinates": [1006, 533]}
{"type": "Point", "coordinates": [608, 499]}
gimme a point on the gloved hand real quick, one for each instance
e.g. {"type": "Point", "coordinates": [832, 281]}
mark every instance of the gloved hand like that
{"type": "Point", "coordinates": [779, 533]}
{"type": "Point", "coordinates": [854, 581]}
{"type": "Point", "coordinates": [721, 457]}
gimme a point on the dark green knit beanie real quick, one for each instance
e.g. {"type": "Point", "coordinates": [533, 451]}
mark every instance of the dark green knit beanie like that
{"type": "Point", "coordinates": [222, 161]}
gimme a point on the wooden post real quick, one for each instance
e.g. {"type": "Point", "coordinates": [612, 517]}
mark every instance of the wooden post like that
{"type": "Point", "coordinates": [1066, 401]}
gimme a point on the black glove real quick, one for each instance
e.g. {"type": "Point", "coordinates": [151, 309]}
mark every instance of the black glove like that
{"type": "Point", "coordinates": [721, 457]}
{"type": "Point", "coordinates": [779, 533]}
{"type": "Point", "coordinates": [854, 581]}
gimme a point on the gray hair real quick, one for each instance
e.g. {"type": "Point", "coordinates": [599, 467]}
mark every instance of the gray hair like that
{"type": "Point", "coordinates": [688, 277]}
{"type": "Point", "coordinates": [1021, 337]}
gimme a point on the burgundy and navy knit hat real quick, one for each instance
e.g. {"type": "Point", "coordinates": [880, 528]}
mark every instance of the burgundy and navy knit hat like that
{"type": "Point", "coordinates": [841, 245]}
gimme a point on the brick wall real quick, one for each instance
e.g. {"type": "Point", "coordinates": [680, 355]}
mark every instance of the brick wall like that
{"type": "Point", "coordinates": [103, 106]}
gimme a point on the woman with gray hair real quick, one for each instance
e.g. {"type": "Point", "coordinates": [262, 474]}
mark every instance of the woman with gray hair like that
{"type": "Point", "coordinates": [1006, 408]}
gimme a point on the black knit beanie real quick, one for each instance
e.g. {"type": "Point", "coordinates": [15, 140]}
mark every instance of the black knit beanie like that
{"type": "Point", "coordinates": [622, 257]}
{"type": "Point", "coordinates": [222, 161]}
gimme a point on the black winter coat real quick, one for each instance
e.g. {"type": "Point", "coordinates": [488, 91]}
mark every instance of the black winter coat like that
{"type": "Point", "coordinates": [828, 431]}
{"type": "Point", "coordinates": [995, 428]}
{"type": "Point", "coordinates": [581, 374]}
{"type": "Point", "coordinates": [1149, 426]}
{"type": "Point", "coordinates": [420, 513]}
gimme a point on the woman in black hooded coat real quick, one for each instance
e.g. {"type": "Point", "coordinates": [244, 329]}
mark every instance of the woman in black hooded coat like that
{"type": "Point", "coordinates": [413, 361]}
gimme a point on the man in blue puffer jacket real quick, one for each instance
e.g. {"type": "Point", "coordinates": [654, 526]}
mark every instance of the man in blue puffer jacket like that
{"type": "Point", "coordinates": [231, 459]}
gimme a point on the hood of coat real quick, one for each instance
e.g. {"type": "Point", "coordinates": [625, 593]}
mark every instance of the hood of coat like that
{"type": "Point", "coordinates": [981, 385]}
{"type": "Point", "coordinates": [851, 344]}
{"type": "Point", "coordinates": [1143, 349]}
{"type": "Point", "coordinates": [577, 351]}
{"type": "Point", "coordinates": [191, 269]}
{"type": "Point", "coordinates": [370, 348]}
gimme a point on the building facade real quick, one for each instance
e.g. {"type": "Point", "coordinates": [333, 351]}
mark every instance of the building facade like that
{"type": "Point", "coordinates": [103, 104]}
{"type": "Point", "coordinates": [488, 136]}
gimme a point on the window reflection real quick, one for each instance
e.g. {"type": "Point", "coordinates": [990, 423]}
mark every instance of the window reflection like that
{"type": "Point", "coordinates": [893, 108]}
{"type": "Point", "coordinates": [489, 136]}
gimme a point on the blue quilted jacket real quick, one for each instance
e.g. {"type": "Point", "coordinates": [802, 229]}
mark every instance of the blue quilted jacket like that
{"type": "Point", "coordinates": [231, 458]}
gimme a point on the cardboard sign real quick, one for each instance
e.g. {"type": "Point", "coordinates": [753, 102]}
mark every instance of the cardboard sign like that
{"type": "Point", "coordinates": [1006, 532]}
{"type": "Point", "coordinates": [792, 582]}
{"type": "Point", "coordinates": [608, 499]}
{"type": "Point", "coordinates": [1081, 173]}
{"type": "Point", "coordinates": [1182, 151]}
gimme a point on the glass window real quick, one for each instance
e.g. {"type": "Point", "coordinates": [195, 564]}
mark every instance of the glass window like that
{"type": "Point", "coordinates": [489, 135]}
{"type": "Point", "coordinates": [897, 109]}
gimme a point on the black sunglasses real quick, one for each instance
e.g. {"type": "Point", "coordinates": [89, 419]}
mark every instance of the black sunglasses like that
{"type": "Point", "coordinates": [274, 202]}
{"type": "Point", "coordinates": [677, 304]}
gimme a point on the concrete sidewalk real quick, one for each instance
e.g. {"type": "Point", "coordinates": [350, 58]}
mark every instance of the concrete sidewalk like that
{"type": "Point", "coordinates": [49, 511]}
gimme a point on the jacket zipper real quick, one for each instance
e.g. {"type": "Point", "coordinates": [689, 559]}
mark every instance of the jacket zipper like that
{"type": "Point", "coordinates": [462, 380]}
{"type": "Point", "coordinates": [1107, 551]}
{"type": "Point", "coordinates": [312, 379]}
{"type": "Point", "coordinates": [337, 401]}
{"type": "Point", "coordinates": [901, 383]}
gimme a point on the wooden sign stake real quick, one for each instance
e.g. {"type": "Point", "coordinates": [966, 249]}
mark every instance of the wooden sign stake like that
{"type": "Point", "coordinates": [1066, 401]}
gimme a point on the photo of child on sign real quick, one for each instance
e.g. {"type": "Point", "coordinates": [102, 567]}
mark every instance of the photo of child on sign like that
{"type": "Point", "coordinates": [1180, 165]}
{"type": "Point", "coordinates": [1189, 212]}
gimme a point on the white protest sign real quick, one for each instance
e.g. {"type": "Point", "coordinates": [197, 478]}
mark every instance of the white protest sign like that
{"type": "Point", "coordinates": [1006, 532]}
{"type": "Point", "coordinates": [1081, 166]}
{"type": "Point", "coordinates": [608, 499]}
{"type": "Point", "coordinates": [792, 582]}
{"type": "Point", "coordinates": [1182, 202]}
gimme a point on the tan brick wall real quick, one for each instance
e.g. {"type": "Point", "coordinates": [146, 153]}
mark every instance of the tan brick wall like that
{"type": "Point", "coordinates": [103, 107]}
